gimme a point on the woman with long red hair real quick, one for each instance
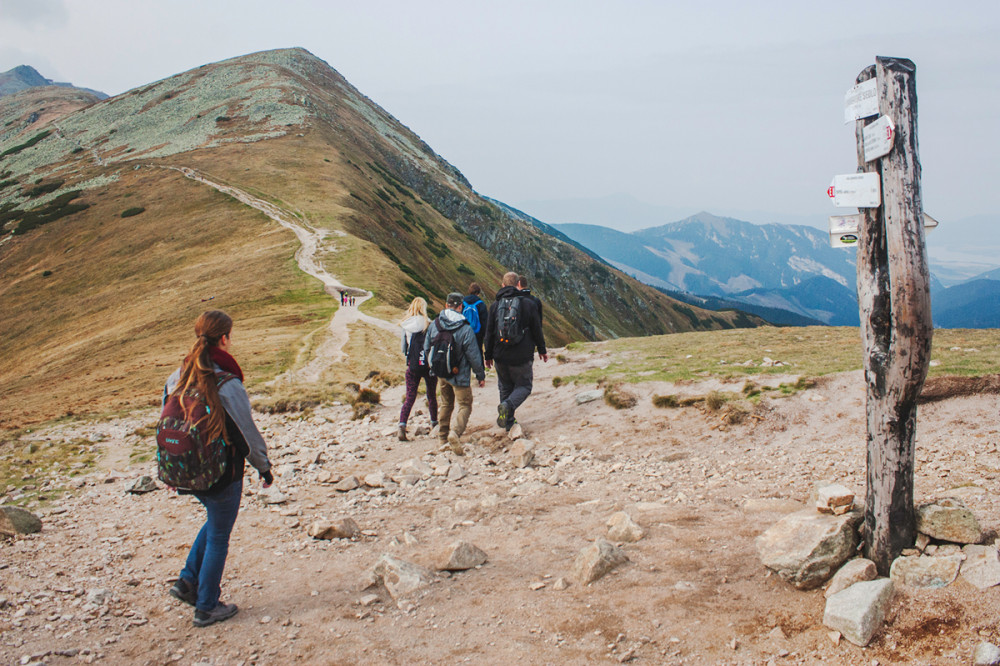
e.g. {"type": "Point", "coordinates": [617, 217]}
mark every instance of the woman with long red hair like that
{"type": "Point", "coordinates": [214, 373]}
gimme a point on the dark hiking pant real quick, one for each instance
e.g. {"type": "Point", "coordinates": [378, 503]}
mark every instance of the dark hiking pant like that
{"type": "Point", "coordinates": [413, 377]}
{"type": "Point", "coordinates": [514, 382]}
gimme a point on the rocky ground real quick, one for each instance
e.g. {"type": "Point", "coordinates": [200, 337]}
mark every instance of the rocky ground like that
{"type": "Point", "coordinates": [92, 585]}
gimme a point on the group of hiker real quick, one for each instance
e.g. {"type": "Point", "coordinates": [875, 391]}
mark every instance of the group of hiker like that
{"type": "Point", "coordinates": [346, 300]}
{"type": "Point", "coordinates": [206, 431]}
{"type": "Point", "coordinates": [467, 338]}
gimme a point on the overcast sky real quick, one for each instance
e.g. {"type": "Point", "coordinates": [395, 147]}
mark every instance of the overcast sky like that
{"type": "Point", "coordinates": [724, 106]}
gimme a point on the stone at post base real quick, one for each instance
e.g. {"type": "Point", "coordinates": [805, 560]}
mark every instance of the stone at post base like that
{"type": "Point", "coordinates": [854, 571]}
{"type": "Point", "coordinates": [925, 572]}
{"type": "Point", "coordinates": [16, 520]}
{"type": "Point", "coordinates": [948, 519]}
{"type": "Point", "coordinates": [858, 612]}
{"type": "Point", "coordinates": [986, 654]}
{"type": "Point", "coordinates": [805, 548]}
{"type": "Point", "coordinates": [981, 567]}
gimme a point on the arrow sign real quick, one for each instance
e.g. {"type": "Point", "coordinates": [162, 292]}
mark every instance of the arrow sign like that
{"type": "Point", "coordinates": [878, 138]}
{"type": "Point", "coordinates": [861, 101]}
{"type": "Point", "coordinates": [858, 190]}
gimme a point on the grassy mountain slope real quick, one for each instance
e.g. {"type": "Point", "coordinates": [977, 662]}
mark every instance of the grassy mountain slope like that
{"type": "Point", "coordinates": [102, 305]}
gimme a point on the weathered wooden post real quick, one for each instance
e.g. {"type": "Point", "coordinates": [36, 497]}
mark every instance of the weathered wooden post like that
{"type": "Point", "coordinates": [894, 300]}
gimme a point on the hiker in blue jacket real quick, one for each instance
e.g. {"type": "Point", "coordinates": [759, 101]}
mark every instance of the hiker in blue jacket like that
{"type": "Point", "coordinates": [474, 299]}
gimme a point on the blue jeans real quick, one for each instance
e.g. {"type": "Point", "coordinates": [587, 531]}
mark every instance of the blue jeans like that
{"type": "Point", "coordinates": [207, 558]}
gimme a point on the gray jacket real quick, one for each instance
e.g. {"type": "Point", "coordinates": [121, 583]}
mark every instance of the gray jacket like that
{"type": "Point", "coordinates": [236, 402]}
{"type": "Point", "coordinates": [471, 360]}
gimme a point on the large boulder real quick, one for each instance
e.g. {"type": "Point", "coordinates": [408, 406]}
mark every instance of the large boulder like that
{"type": "Point", "coordinates": [342, 528]}
{"type": "Point", "coordinates": [948, 519]}
{"type": "Point", "coordinates": [981, 567]}
{"type": "Point", "coordinates": [596, 560]}
{"type": "Point", "coordinates": [400, 577]}
{"type": "Point", "coordinates": [855, 571]}
{"type": "Point", "coordinates": [460, 556]}
{"type": "Point", "coordinates": [926, 572]}
{"type": "Point", "coordinates": [805, 548]}
{"type": "Point", "coordinates": [857, 612]}
{"type": "Point", "coordinates": [986, 654]}
{"type": "Point", "coordinates": [15, 520]}
{"type": "Point", "coordinates": [522, 452]}
{"type": "Point", "coordinates": [622, 529]}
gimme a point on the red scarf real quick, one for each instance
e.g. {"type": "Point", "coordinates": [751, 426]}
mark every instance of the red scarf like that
{"type": "Point", "coordinates": [225, 361]}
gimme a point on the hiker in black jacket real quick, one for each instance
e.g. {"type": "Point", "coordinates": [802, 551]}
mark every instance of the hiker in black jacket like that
{"type": "Point", "coordinates": [513, 332]}
{"type": "Point", "coordinates": [522, 284]}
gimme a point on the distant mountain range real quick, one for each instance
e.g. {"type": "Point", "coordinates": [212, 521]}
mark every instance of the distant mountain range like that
{"type": "Point", "coordinates": [787, 274]}
{"type": "Point", "coordinates": [23, 77]}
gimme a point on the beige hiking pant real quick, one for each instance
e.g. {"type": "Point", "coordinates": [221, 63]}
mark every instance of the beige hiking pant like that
{"type": "Point", "coordinates": [451, 394]}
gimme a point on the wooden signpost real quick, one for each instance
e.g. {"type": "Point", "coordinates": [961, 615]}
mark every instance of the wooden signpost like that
{"type": "Point", "coordinates": [894, 300]}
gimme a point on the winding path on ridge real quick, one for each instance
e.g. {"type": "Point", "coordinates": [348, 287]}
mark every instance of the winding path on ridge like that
{"type": "Point", "coordinates": [331, 350]}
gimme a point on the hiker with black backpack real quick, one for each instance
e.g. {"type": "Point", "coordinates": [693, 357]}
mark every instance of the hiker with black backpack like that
{"type": "Point", "coordinates": [451, 350]}
{"type": "Point", "coordinates": [476, 312]}
{"type": "Point", "coordinates": [513, 332]}
{"type": "Point", "coordinates": [414, 331]}
{"type": "Point", "coordinates": [204, 435]}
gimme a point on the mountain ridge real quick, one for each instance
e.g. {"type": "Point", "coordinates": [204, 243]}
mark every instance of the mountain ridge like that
{"type": "Point", "coordinates": [287, 128]}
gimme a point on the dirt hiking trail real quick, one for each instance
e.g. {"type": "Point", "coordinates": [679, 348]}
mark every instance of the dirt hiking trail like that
{"type": "Point", "coordinates": [313, 242]}
{"type": "Point", "coordinates": [94, 582]}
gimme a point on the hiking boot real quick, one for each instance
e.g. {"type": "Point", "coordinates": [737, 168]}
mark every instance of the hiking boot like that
{"type": "Point", "coordinates": [455, 444]}
{"type": "Point", "coordinates": [184, 591]}
{"type": "Point", "coordinates": [504, 415]}
{"type": "Point", "coordinates": [510, 424]}
{"type": "Point", "coordinates": [402, 433]}
{"type": "Point", "coordinates": [220, 613]}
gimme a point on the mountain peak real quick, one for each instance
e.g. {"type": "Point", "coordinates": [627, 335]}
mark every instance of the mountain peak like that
{"type": "Point", "coordinates": [23, 77]}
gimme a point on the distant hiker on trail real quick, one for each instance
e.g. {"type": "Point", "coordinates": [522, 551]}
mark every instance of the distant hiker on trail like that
{"type": "Point", "coordinates": [513, 332]}
{"type": "Point", "coordinates": [414, 329]}
{"type": "Point", "coordinates": [522, 284]}
{"type": "Point", "coordinates": [205, 434]}
{"type": "Point", "coordinates": [477, 320]}
{"type": "Point", "coordinates": [451, 351]}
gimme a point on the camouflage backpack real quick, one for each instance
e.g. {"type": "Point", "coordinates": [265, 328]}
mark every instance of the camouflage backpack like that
{"type": "Point", "coordinates": [185, 460]}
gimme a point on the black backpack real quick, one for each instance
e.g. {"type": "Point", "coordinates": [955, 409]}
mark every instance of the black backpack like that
{"type": "Point", "coordinates": [444, 355]}
{"type": "Point", "coordinates": [415, 352]}
{"type": "Point", "coordinates": [510, 329]}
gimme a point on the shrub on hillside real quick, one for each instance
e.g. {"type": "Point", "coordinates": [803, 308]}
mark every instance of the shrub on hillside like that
{"type": "Point", "coordinates": [130, 212]}
{"type": "Point", "coordinates": [45, 188]}
{"type": "Point", "coordinates": [714, 401]}
{"type": "Point", "coordinates": [666, 401]}
{"type": "Point", "coordinates": [27, 144]}
{"type": "Point", "coordinates": [57, 208]}
{"type": "Point", "coordinates": [619, 398]}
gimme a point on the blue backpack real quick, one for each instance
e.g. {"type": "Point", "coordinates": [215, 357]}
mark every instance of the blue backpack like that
{"type": "Point", "coordinates": [471, 314]}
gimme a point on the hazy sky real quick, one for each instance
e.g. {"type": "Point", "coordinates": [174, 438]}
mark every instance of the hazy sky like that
{"type": "Point", "coordinates": [724, 106]}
